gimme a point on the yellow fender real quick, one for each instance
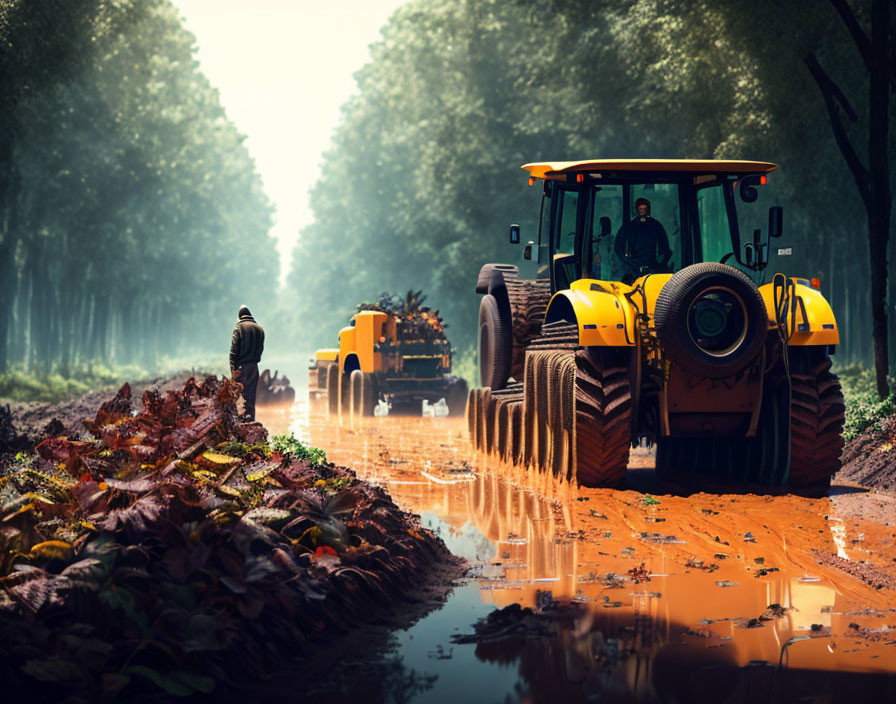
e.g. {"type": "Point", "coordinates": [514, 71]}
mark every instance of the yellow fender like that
{"type": "Point", "coordinates": [605, 311]}
{"type": "Point", "coordinates": [346, 345]}
{"type": "Point", "coordinates": [604, 316]}
{"type": "Point", "coordinates": [819, 327]}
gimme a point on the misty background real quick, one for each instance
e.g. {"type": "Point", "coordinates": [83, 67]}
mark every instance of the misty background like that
{"type": "Point", "coordinates": [135, 216]}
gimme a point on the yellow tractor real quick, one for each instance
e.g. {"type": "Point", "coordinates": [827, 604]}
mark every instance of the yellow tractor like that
{"type": "Point", "coordinates": [650, 320]}
{"type": "Point", "coordinates": [398, 358]}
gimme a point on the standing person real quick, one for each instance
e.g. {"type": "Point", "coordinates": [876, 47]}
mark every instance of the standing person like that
{"type": "Point", "coordinates": [246, 347]}
{"type": "Point", "coordinates": [642, 243]}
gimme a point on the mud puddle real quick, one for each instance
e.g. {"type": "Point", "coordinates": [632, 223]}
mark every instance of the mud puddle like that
{"type": "Point", "coordinates": [648, 596]}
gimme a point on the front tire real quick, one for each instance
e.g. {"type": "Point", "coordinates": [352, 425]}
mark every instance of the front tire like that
{"type": "Point", "coordinates": [369, 394]}
{"type": "Point", "coordinates": [494, 345]}
{"type": "Point", "coordinates": [333, 389]}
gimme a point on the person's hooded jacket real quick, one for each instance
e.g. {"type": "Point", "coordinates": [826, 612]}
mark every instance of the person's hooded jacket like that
{"type": "Point", "coordinates": [247, 342]}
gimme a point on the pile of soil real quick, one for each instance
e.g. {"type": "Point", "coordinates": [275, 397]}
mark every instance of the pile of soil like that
{"type": "Point", "coordinates": [869, 458]}
{"type": "Point", "coordinates": [179, 552]}
{"type": "Point", "coordinates": [23, 425]}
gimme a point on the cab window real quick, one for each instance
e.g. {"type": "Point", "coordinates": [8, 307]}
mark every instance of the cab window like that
{"type": "Point", "coordinates": [606, 220]}
{"type": "Point", "coordinates": [566, 223]}
{"type": "Point", "coordinates": [665, 207]}
{"type": "Point", "coordinates": [715, 236]}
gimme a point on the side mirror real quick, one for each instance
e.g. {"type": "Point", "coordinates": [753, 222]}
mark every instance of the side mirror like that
{"type": "Point", "coordinates": [775, 218]}
{"type": "Point", "coordinates": [604, 226]}
{"type": "Point", "coordinates": [527, 251]}
{"type": "Point", "coordinates": [747, 187]}
{"type": "Point", "coordinates": [514, 234]}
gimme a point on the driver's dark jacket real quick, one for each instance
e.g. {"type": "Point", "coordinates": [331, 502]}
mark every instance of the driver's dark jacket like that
{"type": "Point", "coordinates": [646, 243]}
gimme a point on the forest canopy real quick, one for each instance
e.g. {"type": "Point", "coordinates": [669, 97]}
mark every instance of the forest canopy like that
{"type": "Point", "coordinates": [423, 175]}
{"type": "Point", "coordinates": [132, 220]}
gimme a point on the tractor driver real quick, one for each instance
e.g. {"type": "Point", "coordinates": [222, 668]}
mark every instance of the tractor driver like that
{"type": "Point", "coordinates": [642, 244]}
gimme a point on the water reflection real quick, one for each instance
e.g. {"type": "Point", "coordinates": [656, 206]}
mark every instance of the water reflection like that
{"type": "Point", "coordinates": [667, 587]}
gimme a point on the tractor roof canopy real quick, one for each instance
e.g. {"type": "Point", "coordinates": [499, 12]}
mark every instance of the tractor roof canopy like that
{"type": "Point", "coordinates": [560, 169]}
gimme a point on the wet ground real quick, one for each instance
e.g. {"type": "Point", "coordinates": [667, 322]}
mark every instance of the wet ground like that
{"type": "Point", "coordinates": [673, 595]}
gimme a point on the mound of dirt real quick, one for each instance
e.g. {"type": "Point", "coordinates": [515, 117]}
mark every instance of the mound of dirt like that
{"type": "Point", "coordinates": [869, 458]}
{"type": "Point", "coordinates": [23, 425]}
{"type": "Point", "coordinates": [178, 552]}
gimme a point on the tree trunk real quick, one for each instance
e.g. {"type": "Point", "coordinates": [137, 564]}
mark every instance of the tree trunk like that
{"type": "Point", "coordinates": [879, 182]}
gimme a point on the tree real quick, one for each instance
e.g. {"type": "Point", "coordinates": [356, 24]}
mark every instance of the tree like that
{"type": "Point", "coordinates": [873, 180]}
{"type": "Point", "coordinates": [133, 219]}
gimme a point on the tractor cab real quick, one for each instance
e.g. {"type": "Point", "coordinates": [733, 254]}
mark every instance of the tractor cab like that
{"type": "Point", "coordinates": [586, 227]}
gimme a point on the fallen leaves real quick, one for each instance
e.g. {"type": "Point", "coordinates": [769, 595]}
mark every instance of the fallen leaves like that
{"type": "Point", "coordinates": [181, 527]}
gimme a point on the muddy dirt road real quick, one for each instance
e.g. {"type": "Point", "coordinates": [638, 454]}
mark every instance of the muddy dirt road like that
{"type": "Point", "coordinates": [672, 584]}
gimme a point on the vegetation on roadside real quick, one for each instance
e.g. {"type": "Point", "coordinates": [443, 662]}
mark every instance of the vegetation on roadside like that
{"type": "Point", "coordinates": [864, 407]}
{"type": "Point", "coordinates": [181, 549]}
{"type": "Point", "coordinates": [465, 364]}
{"type": "Point", "coordinates": [19, 384]}
{"type": "Point", "coordinates": [295, 448]}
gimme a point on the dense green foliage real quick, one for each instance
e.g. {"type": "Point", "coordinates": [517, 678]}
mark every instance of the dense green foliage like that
{"type": "Point", "coordinates": [423, 177]}
{"type": "Point", "coordinates": [132, 221]}
{"type": "Point", "coordinates": [863, 406]}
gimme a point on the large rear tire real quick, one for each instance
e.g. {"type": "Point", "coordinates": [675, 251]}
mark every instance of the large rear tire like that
{"type": "Point", "coordinates": [816, 420]}
{"type": "Point", "coordinates": [603, 403]}
{"type": "Point", "coordinates": [528, 302]}
{"type": "Point", "coordinates": [495, 344]}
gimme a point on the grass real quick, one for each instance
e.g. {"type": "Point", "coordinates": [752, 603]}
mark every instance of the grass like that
{"type": "Point", "coordinates": [19, 384]}
{"type": "Point", "coordinates": [863, 406]}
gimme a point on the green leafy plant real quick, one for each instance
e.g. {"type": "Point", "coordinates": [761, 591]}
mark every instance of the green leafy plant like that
{"type": "Point", "coordinates": [290, 445]}
{"type": "Point", "coordinates": [863, 406]}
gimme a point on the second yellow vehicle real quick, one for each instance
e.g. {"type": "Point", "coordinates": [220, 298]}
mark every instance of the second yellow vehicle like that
{"type": "Point", "coordinates": [392, 357]}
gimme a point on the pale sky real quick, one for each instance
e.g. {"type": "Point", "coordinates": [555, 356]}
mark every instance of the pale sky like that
{"type": "Point", "coordinates": [283, 69]}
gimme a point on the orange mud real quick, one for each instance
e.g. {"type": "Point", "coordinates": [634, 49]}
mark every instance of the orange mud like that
{"type": "Point", "coordinates": [713, 563]}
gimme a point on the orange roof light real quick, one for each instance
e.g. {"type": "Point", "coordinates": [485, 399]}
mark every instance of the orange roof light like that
{"type": "Point", "coordinates": [763, 180]}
